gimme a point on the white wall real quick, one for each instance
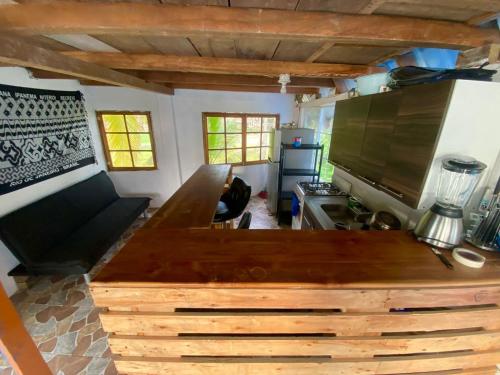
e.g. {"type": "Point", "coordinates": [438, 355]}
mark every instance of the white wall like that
{"type": "Point", "coordinates": [158, 184]}
{"type": "Point", "coordinates": [11, 201]}
{"type": "Point", "coordinates": [188, 107]}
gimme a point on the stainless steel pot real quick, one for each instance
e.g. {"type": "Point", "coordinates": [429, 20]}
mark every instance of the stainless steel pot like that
{"type": "Point", "coordinates": [383, 220]}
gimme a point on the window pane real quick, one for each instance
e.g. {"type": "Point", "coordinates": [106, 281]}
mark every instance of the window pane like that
{"type": "Point", "coordinates": [216, 157]}
{"type": "Point", "coordinates": [114, 123]}
{"type": "Point", "coordinates": [121, 159]}
{"type": "Point", "coordinates": [253, 154]}
{"type": "Point", "coordinates": [253, 124]}
{"type": "Point", "coordinates": [143, 159]}
{"type": "Point", "coordinates": [325, 139]}
{"type": "Point", "coordinates": [327, 120]}
{"type": "Point", "coordinates": [311, 117]}
{"type": "Point", "coordinates": [140, 142]}
{"type": "Point", "coordinates": [266, 137]}
{"type": "Point", "coordinates": [268, 123]}
{"type": "Point", "coordinates": [233, 140]}
{"type": "Point", "coordinates": [234, 124]}
{"type": "Point", "coordinates": [234, 156]}
{"type": "Point", "coordinates": [215, 124]}
{"type": "Point", "coordinates": [117, 141]}
{"type": "Point", "coordinates": [326, 171]}
{"type": "Point", "coordinates": [264, 153]}
{"type": "Point", "coordinates": [216, 141]}
{"type": "Point", "coordinates": [253, 140]}
{"type": "Point", "coordinates": [137, 123]}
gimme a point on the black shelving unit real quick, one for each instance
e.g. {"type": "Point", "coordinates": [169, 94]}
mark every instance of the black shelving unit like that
{"type": "Point", "coordinates": [313, 173]}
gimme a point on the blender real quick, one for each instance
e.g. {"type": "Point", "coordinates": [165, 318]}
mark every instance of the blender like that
{"type": "Point", "coordinates": [442, 224]}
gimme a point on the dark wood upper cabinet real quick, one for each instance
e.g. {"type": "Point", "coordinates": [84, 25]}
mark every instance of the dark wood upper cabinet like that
{"type": "Point", "coordinates": [340, 123]}
{"type": "Point", "coordinates": [414, 139]}
{"type": "Point", "coordinates": [349, 123]}
{"type": "Point", "coordinates": [378, 131]}
{"type": "Point", "coordinates": [388, 140]}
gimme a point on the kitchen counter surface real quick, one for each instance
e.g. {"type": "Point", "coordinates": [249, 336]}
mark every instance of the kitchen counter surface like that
{"type": "Point", "coordinates": [199, 301]}
{"type": "Point", "coordinates": [271, 258]}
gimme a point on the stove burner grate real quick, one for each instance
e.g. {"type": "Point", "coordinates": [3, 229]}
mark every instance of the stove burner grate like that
{"type": "Point", "coordinates": [320, 188]}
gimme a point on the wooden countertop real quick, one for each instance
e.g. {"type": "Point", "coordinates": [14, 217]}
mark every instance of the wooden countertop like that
{"type": "Point", "coordinates": [285, 258]}
{"type": "Point", "coordinates": [193, 205]}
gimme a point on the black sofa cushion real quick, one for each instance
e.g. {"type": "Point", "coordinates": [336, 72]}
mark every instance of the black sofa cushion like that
{"type": "Point", "coordinates": [69, 230]}
{"type": "Point", "coordinates": [80, 251]}
{"type": "Point", "coordinates": [90, 196]}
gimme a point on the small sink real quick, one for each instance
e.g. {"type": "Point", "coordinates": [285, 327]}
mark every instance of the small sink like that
{"type": "Point", "coordinates": [343, 217]}
{"type": "Point", "coordinates": [337, 211]}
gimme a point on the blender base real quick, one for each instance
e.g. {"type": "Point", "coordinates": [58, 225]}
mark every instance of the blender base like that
{"type": "Point", "coordinates": [439, 230]}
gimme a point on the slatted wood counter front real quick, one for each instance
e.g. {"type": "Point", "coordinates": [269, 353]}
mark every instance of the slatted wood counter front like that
{"type": "Point", "coordinates": [288, 302]}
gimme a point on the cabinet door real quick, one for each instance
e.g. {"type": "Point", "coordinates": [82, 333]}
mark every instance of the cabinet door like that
{"type": "Point", "coordinates": [414, 139]}
{"type": "Point", "coordinates": [348, 131]}
{"type": "Point", "coordinates": [377, 137]}
{"type": "Point", "coordinates": [338, 130]}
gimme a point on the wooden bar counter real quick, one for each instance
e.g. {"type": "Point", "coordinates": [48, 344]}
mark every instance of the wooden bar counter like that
{"type": "Point", "coordinates": [193, 205]}
{"type": "Point", "coordinates": [296, 302]}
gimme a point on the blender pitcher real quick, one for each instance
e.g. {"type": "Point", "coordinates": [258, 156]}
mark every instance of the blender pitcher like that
{"type": "Point", "coordinates": [442, 225]}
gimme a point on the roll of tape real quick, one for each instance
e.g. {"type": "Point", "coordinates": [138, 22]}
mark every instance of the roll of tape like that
{"type": "Point", "coordinates": [468, 257]}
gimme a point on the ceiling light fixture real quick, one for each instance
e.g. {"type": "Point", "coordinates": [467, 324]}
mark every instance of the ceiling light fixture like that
{"type": "Point", "coordinates": [284, 80]}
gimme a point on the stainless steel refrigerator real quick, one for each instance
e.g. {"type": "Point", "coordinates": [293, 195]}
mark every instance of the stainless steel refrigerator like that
{"type": "Point", "coordinates": [299, 160]}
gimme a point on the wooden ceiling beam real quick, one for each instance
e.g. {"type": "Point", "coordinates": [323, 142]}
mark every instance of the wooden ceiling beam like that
{"type": "Point", "coordinates": [479, 56]}
{"type": "Point", "coordinates": [205, 79]}
{"type": "Point", "coordinates": [217, 65]}
{"type": "Point", "coordinates": [17, 52]}
{"type": "Point", "coordinates": [246, 88]}
{"type": "Point", "coordinates": [229, 79]}
{"type": "Point", "coordinates": [483, 18]}
{"type": "Point", "coordinates": [319, 52]}
{"type": "Point", "coordinates": [210, 21]}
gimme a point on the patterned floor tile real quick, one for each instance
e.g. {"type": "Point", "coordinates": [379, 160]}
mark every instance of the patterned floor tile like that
{"type": "Point", "coordinates": [60, 315]}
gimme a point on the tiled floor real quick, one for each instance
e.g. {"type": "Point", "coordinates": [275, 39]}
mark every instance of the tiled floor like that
{"type": "Point", "coordinates": [60, 315]}
{"type": "Point", "coordinates": [261, 217]}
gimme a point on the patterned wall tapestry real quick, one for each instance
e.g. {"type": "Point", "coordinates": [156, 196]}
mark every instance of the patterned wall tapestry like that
{"type": "Point", "coordinates": [43, 133]}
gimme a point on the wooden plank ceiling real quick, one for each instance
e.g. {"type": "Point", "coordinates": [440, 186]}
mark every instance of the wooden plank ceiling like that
{"type": "Point", "coordinates": [228, 44]}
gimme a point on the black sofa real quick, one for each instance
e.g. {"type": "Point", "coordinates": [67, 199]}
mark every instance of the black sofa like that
{"type": "Point", "coordinates": [68, 232]}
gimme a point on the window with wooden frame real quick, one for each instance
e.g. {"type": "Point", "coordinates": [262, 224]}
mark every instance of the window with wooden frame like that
{"type": "Point", "coordinates": [127, 138]}
{"type": "Point", "coordinates": [237, 138]}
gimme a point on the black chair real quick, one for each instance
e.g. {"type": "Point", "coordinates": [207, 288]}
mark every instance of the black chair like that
{"type": "Point", "coordinates": [245, 221]}
{"type": "Point", "coordinates": [233, 202]}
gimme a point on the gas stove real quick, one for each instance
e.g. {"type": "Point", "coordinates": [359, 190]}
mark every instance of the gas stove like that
{"type": "Point", "coordinates": [320, 189]}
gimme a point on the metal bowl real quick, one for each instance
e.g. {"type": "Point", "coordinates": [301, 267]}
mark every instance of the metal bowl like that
{"type": "Point", "coordinates": [383, 220]}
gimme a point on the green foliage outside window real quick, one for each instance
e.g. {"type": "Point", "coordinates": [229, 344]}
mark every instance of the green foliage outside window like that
{"type": "Point", "coordinates": [321, 120]}
{"type": "Point", "coordinates": [238, 138]}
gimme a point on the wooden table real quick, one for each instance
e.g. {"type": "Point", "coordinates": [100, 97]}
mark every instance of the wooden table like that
{"type": "Point", "coordinates": [193, 205]}
{"type": "Point", "coordinates": [293, 302]}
